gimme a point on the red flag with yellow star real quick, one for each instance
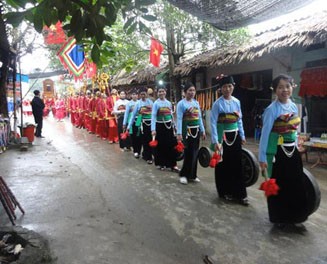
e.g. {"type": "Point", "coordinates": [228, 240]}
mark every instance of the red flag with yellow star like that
{"type": "Point", "coordinates": [155, 52]}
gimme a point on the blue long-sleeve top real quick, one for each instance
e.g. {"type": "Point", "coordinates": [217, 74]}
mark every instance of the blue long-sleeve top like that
{"type": "Point", "coordinates": [272, 112]}
{"type": "Point", "coordinates": [129, 109]}
{"type": "Point", "coordinates": [225, 106]}
{"type": "Point", "coordinates": [182, 106]}
{"type": "Point", "coordinates": [156, 106]}
{"type": "Point", "coordinates": [140, 103]}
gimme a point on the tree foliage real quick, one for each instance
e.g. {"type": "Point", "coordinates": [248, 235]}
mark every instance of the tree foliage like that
{"type": "Point", "coordinates": [86, 20]}
{"type": "Point", "coordinates": [191, 35]}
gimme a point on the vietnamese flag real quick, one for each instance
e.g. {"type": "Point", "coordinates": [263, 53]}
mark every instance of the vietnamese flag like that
{"type": "Point", "coordinates": [155, 52]}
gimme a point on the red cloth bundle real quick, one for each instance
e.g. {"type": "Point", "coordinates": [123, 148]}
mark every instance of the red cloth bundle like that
{"type": "Point", "coordinates": [214, 160]}
{"type": "Point", "coordinates": [153, 143]}
{"type": "Point", "coordinates": [270, 187]}
{"type": "Point", "coordinates": [124, 135]}
{"type": "Point", "coordinates": [180, 147]}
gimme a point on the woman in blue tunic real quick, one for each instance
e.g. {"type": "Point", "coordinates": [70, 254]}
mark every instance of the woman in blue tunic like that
{"type": "Point", "coordinates": [162, 128]}
{"type": "Point", "coordinates": [143, 110]}
{"type": "Point", "coordinates": [134, 131]}
{"type": "Point", "coordinates": [227, 136]}
{"type": "Point", "coordinates": [189, 129]}
{"type": "Point", "coordinates": [278, 155]}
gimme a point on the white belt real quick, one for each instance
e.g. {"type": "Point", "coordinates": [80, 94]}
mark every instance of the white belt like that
{"type": "Point", "coordinates": [231, 130]}
{"type": "Point", "coordinates": [291, 144]}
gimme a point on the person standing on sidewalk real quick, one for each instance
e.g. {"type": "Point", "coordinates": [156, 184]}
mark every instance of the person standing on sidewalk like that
{"type": "Point", "coordinates": [143, 110]}
{"type": "Point", "coordinates": [189, 128]}
{"type": "Point", "coordinates": [278, 155]}
{"type": "Point", "coordinates": [134, 130]}
{"type": "Point", "coordinates": [227, 137]}
{"type": "Point", "coordinates": [37, 109]}
{"type": "Point", "coordinates": [119, 111]}
{"type": "Point", "coordinates": [162, 128]}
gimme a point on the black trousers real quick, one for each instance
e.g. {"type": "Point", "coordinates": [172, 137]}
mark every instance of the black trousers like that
{"type": "Point", "coordinates": [146, 138]}
{"type": "Point", "coordinates": [290, 204]}
{"type": "Point", "coordinates": [164, 153]}
{"type": "Point", "coordinates": [39, 125]}
{"type": "Point", "coordinates": [136, 139]}
{"type": "Point", "coordinates": [190, 164]}
{"type": "Point", "coordinates": [126, 143]}
{"type": "Point", "coordinates": [228, 173]}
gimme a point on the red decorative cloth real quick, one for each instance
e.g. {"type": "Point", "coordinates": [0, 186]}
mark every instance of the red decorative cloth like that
{"type": "Point", "coordinates": [155, 51]}
{"type": "Point", "coordinates": [313, 82]}
{"type": "Point", "coordinates": [270, 187]}
{"type": "Point", "coordinates": [54, 34]}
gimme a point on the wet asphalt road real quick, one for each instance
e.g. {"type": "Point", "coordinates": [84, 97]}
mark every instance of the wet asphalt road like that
{"type": "Point", "coordinates": [96, 204]}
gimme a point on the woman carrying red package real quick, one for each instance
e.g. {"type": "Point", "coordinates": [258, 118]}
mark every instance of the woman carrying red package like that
{"type": "Point", "coordinates": [279, 156]}
{"type": "Point", "coordinates": [227, 137]}
{"type": "Point", "coordinates": [163, 130]}
{"type": "Point", "coordinates": [143, 110]}
{"type": "Point", "coordinates": [189, 129]}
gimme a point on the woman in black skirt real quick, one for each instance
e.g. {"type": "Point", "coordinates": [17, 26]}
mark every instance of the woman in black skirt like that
{"type": "Point", "coordinates": [162, 128]}
{"type": "Point", "coordinates": [278, 155]}
{"type": "Point", "coordinates": [189, 129]}
{"type": "Point", "coordinates": [227, 136]}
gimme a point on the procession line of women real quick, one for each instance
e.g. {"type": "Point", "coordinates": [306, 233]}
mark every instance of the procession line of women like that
{"type": "Point", "coordinates": [145, 121]}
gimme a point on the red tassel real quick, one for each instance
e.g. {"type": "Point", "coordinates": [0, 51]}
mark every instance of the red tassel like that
{"type": "Point", "coordinates": [213, 162]}
{"type": "Point", "coordinates": [216, 156]}
{"type": "Point", "coordinates": [270, 187]}
{"type": "Point", "coordinates": [153, 143]}
{"type": "Point", "coordinates": [180, 147]}
{"type": "Point", "coordinates": [124, 136]}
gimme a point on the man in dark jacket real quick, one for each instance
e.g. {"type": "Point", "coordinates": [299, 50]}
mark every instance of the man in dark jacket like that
{"type": "Point", "coordinates": [37, 108]}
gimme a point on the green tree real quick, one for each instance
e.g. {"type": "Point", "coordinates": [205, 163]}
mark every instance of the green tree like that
{"type": "Point", "coordinates": [185, 35]}
{"type": "Point", "coordinates": [86, 20]}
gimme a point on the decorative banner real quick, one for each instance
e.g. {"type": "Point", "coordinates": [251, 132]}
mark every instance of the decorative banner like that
{"type": "Point", "coordinates": [54, 34]}
{"type": "Point", "coordinates": [313, 82]}
{"type": "Point", "coordinates": [72, 58]}
{"type": "Point", "coordinates": [155, 52]}
{"type": "Point", "coordinates": [90, 69]}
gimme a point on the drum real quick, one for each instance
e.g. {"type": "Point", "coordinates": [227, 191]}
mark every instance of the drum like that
{"type": "Point", "coordinates": [250, 167]}
{"type": "Point", "coordinates": [313, 192]}
{"type": "Point", "coordinates": [250, 164]}
{"type": "Point", "coordinates": [204, 156]}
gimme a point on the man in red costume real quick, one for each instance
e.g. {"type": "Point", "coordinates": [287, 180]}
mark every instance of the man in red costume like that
{"type": "Point", "coordinates": [113, 129]}
{"type": "Point", "coordinates": [73, 108]}
{"type": "Point", "coordinates": [81, 110]}
{"type": "Point", "coordinates": [87, 118]}
{"type": "Point", "coordinates": [92, 114]}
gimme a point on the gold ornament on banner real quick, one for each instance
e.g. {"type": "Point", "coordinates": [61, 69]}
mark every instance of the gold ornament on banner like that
{"type": "Point", "coordinates": [103, 82]}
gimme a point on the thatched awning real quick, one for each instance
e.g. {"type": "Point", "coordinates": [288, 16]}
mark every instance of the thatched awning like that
{"type": "Point", "coordinates": [299, 33]}
{"type": "Point", "coordinates": [143, 76]}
